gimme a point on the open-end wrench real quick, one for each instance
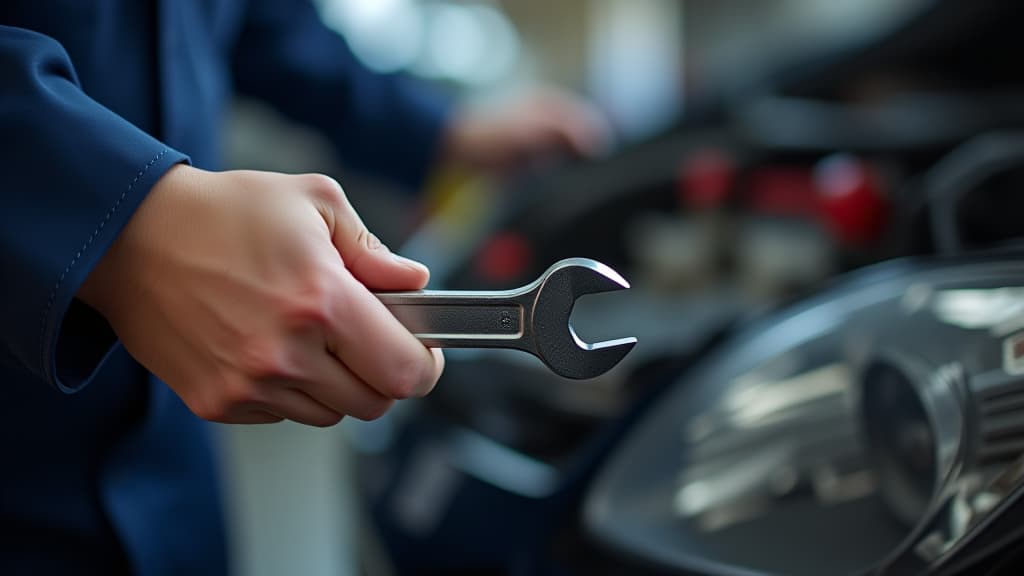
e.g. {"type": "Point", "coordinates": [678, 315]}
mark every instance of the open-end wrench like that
{"type": "Point", "coordinates": [534, 318]}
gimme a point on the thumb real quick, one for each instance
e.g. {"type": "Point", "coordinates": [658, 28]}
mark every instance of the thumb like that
{"type": "Point", "coordinates": [369, 260]}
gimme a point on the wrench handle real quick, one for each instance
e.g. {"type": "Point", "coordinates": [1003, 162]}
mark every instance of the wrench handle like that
{"type": "Point", "coordinates": [453, 319]}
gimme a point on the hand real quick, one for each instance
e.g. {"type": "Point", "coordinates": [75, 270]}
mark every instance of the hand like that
{"type": "Point", "coordinates": [533, 127]}
{"type": "Point", "coordinates": [248, 293]}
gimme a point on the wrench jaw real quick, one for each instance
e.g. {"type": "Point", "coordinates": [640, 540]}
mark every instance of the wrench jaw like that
{"type": "Point", "coordinates": [598, 357]}
{"type": "Point", "coordinates": [555, 341]}
{"type": "Point", "coordinates": [584, 276]}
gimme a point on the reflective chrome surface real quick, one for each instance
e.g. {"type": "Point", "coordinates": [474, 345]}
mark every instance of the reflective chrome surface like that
{"type": "Point", "coordinates": [879, 420]}
{"type": "Point", "coordinates": [533, 318]}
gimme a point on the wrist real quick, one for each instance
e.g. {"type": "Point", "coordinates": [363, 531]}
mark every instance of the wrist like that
{"type": "Point", "coordinates": [100, 287]}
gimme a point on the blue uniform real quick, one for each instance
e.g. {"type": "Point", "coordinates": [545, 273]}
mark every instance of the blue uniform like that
{"type": "Point", "coordinates": [104, 469]}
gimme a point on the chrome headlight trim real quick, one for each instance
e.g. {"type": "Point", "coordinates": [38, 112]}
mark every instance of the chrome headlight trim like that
{"type": "Point", "coordinates": [630, 505]}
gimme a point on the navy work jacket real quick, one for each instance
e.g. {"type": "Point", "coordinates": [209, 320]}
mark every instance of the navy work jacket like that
{"type": "Point", "coordinates": [104, 471]}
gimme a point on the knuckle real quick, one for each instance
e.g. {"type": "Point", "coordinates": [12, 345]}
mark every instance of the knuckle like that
{"type": "Point", "coordinates": [222, 401]}
{"type": "Point", "coordinates": [229, 398]}
{"type": "Point", "coordinates": [261, 359]}
{"type": "Point", "coordinates": [238, 393]}
{"type": "Point", "coordinates": [310, 308]}
{"type": "Point", "coordinates": [367, 239]}
{"type": "Point", "coordinates": [325, 187]}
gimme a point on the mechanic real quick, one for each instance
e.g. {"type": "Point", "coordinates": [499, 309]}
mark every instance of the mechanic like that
{"type": "Point", "coordinates": [127, 261]}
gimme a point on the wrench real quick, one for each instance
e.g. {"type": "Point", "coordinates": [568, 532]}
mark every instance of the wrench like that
{"type": "Point", "coordinates": [533, 318]}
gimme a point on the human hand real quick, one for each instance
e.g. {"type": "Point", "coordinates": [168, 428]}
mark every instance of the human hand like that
{"type": "Point", "coordinates": [248, 293]}
{"type": "Point", "coordinates": [532, 127]}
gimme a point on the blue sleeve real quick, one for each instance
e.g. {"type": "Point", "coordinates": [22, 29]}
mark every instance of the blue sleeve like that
{"type": "Point", "coordinates": [71, 175]}
{"type": "Point", "coordinates": [389, 125]}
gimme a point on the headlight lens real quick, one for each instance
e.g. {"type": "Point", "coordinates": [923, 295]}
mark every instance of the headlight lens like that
{"type": "Point", "coordinates": [900, 440]}
{"type": "Point", "coordinates": [835, 436]}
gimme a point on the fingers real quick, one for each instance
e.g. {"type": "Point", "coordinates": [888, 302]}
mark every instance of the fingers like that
{"type": "Point", "coordinates": [264, 417]}
{"type": "Point", "coordinates": [337, 388]}
{"type": "Point", "coordinates": [295, 404]}
{"type": "Point", "coordinates": [378, 349]}
{"type": "Point", "coordinates": [535, 128]}
{"type": "Point", "coordinates": [555, 121]}
{"type": "Point", "coordinates": [321, 396]}
{"type": "Point", "coordinates": [580, 128]}
{"type": "Point", "coordinates": [361, 333]}
{"type": "Point", "coordinates": [320, 393]}
{"type": "Point", "coordinates": [364, 255]}
{"type": "Point", "coordinates": [255, 416]}
{"type": "Point", "coordinates": [329, 392]}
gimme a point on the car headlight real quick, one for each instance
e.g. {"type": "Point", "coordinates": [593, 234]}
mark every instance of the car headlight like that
{"type": "Point", "coordinates": [881, 422]}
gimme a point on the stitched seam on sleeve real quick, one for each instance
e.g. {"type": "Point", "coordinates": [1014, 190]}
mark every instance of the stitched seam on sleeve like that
{"type": "Point", "coordinates": [78, 256]}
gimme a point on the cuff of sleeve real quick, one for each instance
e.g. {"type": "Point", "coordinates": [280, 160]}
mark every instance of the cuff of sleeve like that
{"type": "Point", "coordinates": [84, 342]}
{"type": "Point", "coordinates": [76, 339]}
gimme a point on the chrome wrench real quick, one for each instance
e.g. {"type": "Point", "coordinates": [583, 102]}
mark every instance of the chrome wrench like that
{"type": "Point", "coordinates": [533, 318]}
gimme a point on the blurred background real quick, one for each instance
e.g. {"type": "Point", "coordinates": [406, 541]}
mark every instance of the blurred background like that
{"type": "Point", "coordinates": [760, 149]}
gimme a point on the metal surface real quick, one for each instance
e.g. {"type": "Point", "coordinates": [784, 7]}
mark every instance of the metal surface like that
{"type": "Point", "coordinates": [533, 318]}
{"type": "Point", "coordinates": [878, 425]}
